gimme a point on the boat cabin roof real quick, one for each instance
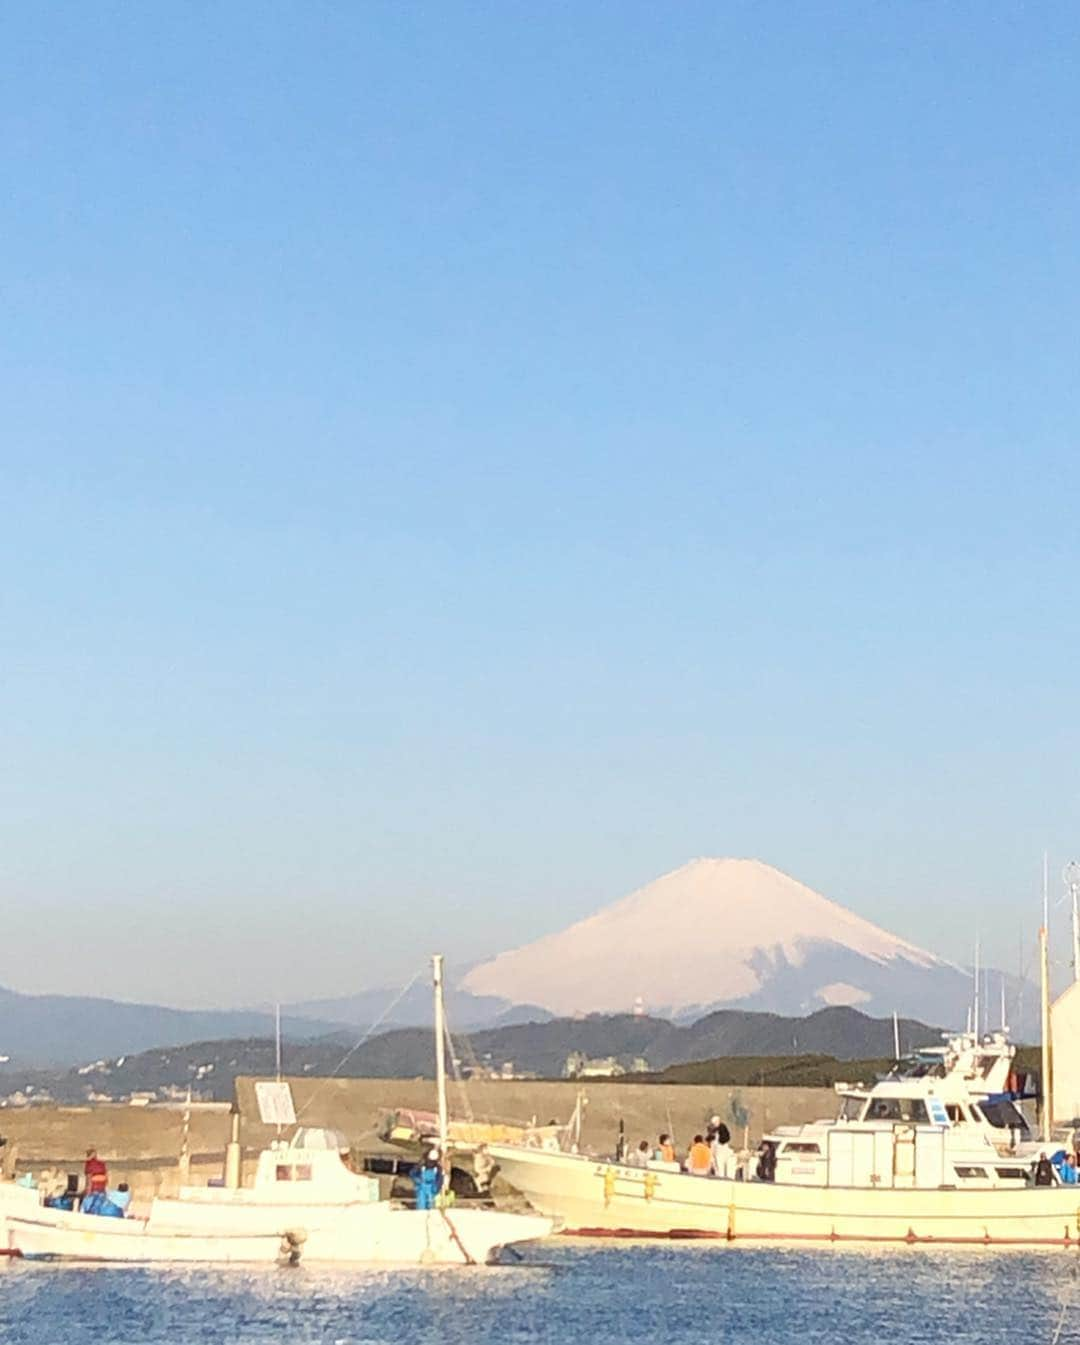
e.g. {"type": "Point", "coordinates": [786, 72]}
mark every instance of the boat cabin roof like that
{"type": "Point", "coordinates": [318, 1138]}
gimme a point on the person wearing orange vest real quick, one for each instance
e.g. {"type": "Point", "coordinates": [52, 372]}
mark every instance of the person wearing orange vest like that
{"type": "Point", "coordinates": [699, 1159]}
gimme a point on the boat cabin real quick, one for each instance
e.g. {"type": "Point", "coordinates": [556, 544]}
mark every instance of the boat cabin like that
{"type": "Point", "coordinates": [942, 1117]}
{"type": "Point", "coordinates": [314, 1165]}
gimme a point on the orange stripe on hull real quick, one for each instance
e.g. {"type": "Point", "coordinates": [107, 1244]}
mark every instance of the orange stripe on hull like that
{"type": "Point", "coordinates": [909, 1239]}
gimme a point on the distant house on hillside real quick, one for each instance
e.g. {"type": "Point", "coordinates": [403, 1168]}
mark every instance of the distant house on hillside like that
{"type": "Point", "coordinates": [30, 1097]}
{"type": "Point", "coordinates": [580, 1066]}
{"type": "Point", "coordinates": [491, 1072]}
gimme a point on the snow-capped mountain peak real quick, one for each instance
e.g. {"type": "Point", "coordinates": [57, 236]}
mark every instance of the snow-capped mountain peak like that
{"type": "Point", "coordinates": [720, 931]}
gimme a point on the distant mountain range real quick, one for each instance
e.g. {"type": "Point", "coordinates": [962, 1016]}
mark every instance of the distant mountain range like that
{"type": "Point", "coordinates": [391, 1007]}
{"type": "Point", "coordinates": [210, 1067]}
{"type": "Point", "coordinates": [543, 1048]}
{"type": "Point", "coordinates": [68, 1029]}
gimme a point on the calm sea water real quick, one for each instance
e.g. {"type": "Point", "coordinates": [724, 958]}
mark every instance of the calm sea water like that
{"type": "Point", "coordinates": [569, 1295]}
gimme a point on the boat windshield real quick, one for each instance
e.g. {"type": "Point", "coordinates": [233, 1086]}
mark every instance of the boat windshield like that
{"type": "Point", "coordinates": [898, 1109]}
{"type": "Point", "coordinates": [851, 1108]}
{"type": "Point", "coordinates": [1003, 1115]}
{"type": "Point", "coordinates": [922, 1067]}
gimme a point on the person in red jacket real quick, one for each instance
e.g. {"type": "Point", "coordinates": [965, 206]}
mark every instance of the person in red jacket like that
{"type": "Point", "coordinates": [96, 1173]}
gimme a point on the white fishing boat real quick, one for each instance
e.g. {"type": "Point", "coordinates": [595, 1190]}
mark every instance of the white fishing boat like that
{"type": "Point", "coordinates": [18, 1198]}
{"type": "Point", "coordinates": [63, 1235]}
{"type": "Point", "coordinates": [307, 1182]}
{"type": "Point", "coordinates": [935, 1151]}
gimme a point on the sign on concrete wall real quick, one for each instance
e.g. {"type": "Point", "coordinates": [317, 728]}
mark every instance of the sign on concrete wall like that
{"type": "Point", "coordinates": [275, 1102]}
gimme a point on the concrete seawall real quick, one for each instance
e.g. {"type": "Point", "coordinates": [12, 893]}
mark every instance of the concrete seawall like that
{"type": "Point", "coordinates": [356, 1107]}
{"type": "Point", "coordinates": [141, 1144]}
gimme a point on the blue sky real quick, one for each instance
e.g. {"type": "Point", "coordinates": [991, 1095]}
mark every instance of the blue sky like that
{"type": "Point", "coordinates": [461, 461]}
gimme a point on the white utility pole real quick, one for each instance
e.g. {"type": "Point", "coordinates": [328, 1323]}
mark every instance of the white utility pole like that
{"type": "Point", "coordinates": [1047, 1086]}
{"type": "Point", "coordinates": [1072, 882]}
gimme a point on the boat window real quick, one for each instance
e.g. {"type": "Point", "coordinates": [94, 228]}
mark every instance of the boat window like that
{"type": "Point", "coordinates": [969, 1172]}
{"type": "Point", "coordinates": [926, 1067]}
{"type": "Point", "coordinates": [1012, 1173]}
{"type": "Point", "coordinates": [851, 1108]}
{"type": "Point", "coordinates": [898, 1109]}
{"type": "Point", "coordinates": [1003, 1115]}
{"type": "Point", "coordinates": [799, 1147]}
{"type": "Point", "coordinates": [955, 1113]}
{"type": "Point", "coordinates": [286, 1172]}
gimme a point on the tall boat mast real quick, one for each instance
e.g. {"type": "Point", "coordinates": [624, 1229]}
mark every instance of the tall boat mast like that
{"type": "Point", "coordinates": [1044, 976]}
{"type": "Point", "coordinates": [277, 1048]}
{"type": "Point", "coordinates": [440, 1053]}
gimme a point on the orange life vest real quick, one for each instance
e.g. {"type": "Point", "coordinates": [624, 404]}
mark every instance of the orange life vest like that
{"type": "Point", "coordinates": [699, 1159]}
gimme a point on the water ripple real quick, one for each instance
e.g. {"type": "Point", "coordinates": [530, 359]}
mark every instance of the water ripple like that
{"type": "Point", "coordinates": [584, 1295]}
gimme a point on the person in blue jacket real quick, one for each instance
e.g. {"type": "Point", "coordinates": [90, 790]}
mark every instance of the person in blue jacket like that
{"type": "Point", "coordinates": [427, 1180]}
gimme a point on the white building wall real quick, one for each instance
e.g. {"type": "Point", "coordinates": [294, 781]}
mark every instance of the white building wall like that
{"type": "Point", "coordinates": [1065, 1038]}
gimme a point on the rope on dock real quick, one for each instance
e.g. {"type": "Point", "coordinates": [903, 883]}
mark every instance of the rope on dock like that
{"type": "Point", "coordinates": [470, 1260]}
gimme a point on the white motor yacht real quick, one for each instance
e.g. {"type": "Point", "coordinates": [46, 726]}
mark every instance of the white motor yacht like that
{"type": "Point", "coordinates": [936, 1150]}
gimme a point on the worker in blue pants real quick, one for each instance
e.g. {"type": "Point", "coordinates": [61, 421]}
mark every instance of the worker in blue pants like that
{"type": "Point", "coordinates": [427, 1180]}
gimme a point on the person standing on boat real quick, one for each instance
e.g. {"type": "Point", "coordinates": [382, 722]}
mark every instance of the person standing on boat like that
{"type": "Point", "coordinates": [427, 1181]}
{"type": "Point", "coordinates": [723, 1155]}
{"type": "Point", "coordinates": [96, 1173]}
{"type": "Point", "coordinates": [766, 1165]}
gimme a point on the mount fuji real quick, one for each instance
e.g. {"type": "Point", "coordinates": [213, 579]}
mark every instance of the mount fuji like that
{"type": "Point", "coordinates": [726, 933]}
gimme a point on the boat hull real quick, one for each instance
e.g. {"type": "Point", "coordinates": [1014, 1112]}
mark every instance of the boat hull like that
{"type": "Point", "coordinates": [375, 1233]}
{"type": "Point", "coordinates": [596, 1198]}
{"type": "Point", "coordinates": [59, 1235]}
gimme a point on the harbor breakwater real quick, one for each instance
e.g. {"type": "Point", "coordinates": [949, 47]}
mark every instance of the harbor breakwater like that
{"type": "Point", "coordinates": [142, 1144]}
